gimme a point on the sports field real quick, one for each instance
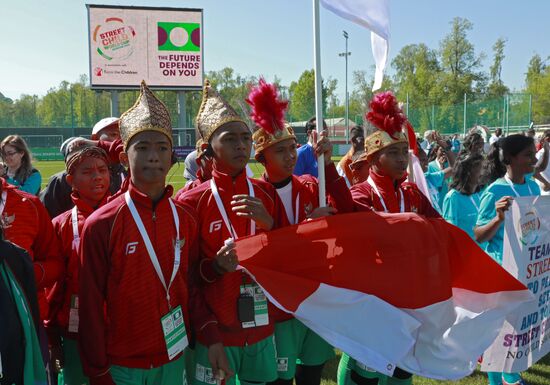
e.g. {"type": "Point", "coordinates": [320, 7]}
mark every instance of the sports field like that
{"type": "Point", "coordinates": [539, 374]}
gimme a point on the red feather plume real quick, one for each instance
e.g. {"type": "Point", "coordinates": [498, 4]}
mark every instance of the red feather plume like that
{"type": "Point", "coordinates": [268, 111]}
{"type": "Point", "coordinates": [385, 113]}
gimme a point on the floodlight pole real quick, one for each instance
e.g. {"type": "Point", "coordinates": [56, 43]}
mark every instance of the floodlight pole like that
{"type": "Point", "coordinates": [346, 54]}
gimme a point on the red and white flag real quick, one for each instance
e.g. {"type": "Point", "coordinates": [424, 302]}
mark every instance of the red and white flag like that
{"type": "Point", "coordinates": [388, 289]}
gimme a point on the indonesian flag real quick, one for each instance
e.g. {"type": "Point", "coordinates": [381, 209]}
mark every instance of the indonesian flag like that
{"type": "Point", "coordinates": [388, 289]}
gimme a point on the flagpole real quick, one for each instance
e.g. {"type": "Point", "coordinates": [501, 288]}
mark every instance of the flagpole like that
{"type": "Point", "coordinates": [318, 100]}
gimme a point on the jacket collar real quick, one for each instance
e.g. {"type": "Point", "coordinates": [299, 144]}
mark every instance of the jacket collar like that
{"type": "Point", "coordinates": [83, 207]}
{"type": "Point", "coordinates": [142, 199]}
{"type": "Point", "coordinates": [226, 181]}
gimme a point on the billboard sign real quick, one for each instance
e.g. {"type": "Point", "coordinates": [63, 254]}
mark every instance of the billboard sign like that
{"type": "Point", "coordinates": [162, 46]}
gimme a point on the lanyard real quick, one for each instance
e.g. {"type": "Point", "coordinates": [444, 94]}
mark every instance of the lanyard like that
{"type": "Point", "coordinates": [149, 245]}
{"type": "Point", "coordinates": [401, 203]}
{"type": "Point", "coordinates": [507, 178]}
{"type": "Point", "coordinates": [225, 218]}
{"type": "Point", "coordinates": [74, 220]}
{"type": "Point", "coordinates": [297, 209]}
{"type": "Point", "coordinates": [474, 202]}
{"type": "Point", "coordinates": [3, 203]}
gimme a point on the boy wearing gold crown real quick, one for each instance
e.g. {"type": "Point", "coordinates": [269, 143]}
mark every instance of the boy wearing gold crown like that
{"type": "Point", "coordinates": [387, 152]}
{"type": "Point", "coordinates": [230, 205]}
{"type": "Point", "coordinates": [301, 353]}
{"type": "Point", "coordinates": [135, 253]}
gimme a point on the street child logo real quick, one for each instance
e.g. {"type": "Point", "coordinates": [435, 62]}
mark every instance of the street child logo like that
{"type": "Point", "coordinates": [114, 39]}
{"type": "Point", "coordinates": [528, 227]}
{"type": "Point", "coordinates": [179, 36]}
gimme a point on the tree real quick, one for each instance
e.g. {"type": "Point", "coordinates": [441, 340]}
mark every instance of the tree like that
{"type": "Point", "coordinates": [461, 74]}
{"type": "Point", "coordinates": [460, 63]}
{"type": "Point", "coordinates": [496, 87]}
{"type": "Point", "coordinates": [537, 80]}
{"type": "Point", "coordinates": [418, 76]}
{"type": "Point", "coordinates": [302, 96]}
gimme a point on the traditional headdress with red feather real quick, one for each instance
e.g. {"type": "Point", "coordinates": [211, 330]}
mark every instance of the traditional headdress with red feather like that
{"type": "Point", "coordinates": [385, 115]}
{"type": "Point", "coordinates": [268, 112]}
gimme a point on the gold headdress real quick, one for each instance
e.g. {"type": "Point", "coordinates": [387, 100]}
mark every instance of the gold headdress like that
{"type": "Point", "coordinates": [388, 118]}
{"type": "Point", "coordinates": [268, 113]}
{"type": "Point", "coordinates": [214, 112]}
{"type": "Point", "coordinates": [147, 114]}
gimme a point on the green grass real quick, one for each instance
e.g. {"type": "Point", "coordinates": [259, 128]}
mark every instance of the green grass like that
{"type": "Point", "coordinates": [539, 374]}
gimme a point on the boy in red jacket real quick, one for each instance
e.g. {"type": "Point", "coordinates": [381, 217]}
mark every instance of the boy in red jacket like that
{"type": "Point", "coordinates": [135, 252]}
{"type": "Point", "coordinates": [301, 353]}
{"type": "Point", "coordinates": [230, 205]}
{"type": "Point", "coordinates": [387, 151]}
{"type": "Point", "coordinates": [88, 174]}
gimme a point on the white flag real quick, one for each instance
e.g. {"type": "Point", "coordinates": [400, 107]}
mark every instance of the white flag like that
{"type": "Point", "coordinates": [371, 14]}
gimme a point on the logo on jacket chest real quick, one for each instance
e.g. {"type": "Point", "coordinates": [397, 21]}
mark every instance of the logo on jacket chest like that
{"type": "Point", "coordinates": [215, 226]}
{"type": "Point", "coordinates": [131, 247]}
{"type": "Point", "coordinates": [308, 209]}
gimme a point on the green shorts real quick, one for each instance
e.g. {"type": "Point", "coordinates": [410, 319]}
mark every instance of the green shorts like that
{"type": "Point", "coordinates": [72, 373]}
{"type": "Point", "coordinates": [172, 373]}
{"type": "Point", "coordinates": [297, 344]}
{"type": "Point", "coordinates": [348, 364]}
{"type": "Point", "coordinates": [254, 363]}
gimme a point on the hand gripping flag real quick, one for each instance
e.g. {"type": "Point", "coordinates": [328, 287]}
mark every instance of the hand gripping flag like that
{"type": "Point", "coordinates": [388, 289]}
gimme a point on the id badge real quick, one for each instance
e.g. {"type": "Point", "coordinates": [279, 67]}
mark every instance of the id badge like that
{"type": "Point", "coordinates": [261, 316]}
{"type": "Point", "coordinates": [175, 335]}
{"type": "Point", "coordinates": [73, 315]}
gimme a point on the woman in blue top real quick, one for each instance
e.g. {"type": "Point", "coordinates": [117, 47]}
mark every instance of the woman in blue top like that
{"type": "Point", "coordinates": [510, 162]}
{"type": "Point", "coordinates": [18, 169]}
{"type": "Point", "coordinates": [461, 204]}
{"type": "Point", "coordinates": [441, 160]}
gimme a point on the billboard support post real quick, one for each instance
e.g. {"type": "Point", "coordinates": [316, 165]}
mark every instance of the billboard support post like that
{"type": "Point", "coordinates": [114, 103]}
{"type": "Point", "coordinates": [182, 113]}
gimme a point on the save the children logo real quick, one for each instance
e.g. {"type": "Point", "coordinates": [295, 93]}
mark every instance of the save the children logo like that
{"type": "Point", "coordinates": [114, 39]}
{"type": "Point", "coordinates": [528, 227]}
{"type": "Point", "coordinates": [179, 36]}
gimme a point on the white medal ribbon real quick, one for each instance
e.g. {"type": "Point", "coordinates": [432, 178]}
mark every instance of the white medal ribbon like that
{"type": "Point", "coordinates": [76, 236]}
{"type": "Point", "coordinates": [401, 203]}
{"type": "Point", "coordinates": [511, 184]}
{"type": "Point", "coordinates": [223, 213]}
{"type": "Point", "coordinates": [3, 203]}
{"type": "Point", "coordinates": [297, 209]}
{"type": "Point", "coordinates": [149, 245]}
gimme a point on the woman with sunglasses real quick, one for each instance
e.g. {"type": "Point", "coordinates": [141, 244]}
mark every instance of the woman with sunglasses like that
{"type": "Point", "coordinates": [18, 169]}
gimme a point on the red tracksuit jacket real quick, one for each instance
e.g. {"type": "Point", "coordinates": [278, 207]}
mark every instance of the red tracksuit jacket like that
{"type": "Point", "coordinates": [222, 292]}
{"type": "Point", "coordinates": [366, 199]}
{"type": "Point", "coordinates": [60, 296]}
{"type": "Point", "coordinates": [122, 300]}
{"type": "Point", "coordinates": [27, 224]}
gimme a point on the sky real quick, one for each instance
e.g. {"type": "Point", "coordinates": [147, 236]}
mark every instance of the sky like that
{"type": "Point", "coordinates": [43, 43]}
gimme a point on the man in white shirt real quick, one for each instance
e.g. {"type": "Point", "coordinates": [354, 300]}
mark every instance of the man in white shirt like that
{"type": "Point", "coordinates": [496, 136]}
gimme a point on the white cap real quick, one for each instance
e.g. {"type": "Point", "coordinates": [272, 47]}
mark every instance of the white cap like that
{"type": "Point", "coordinates": [102, 124]}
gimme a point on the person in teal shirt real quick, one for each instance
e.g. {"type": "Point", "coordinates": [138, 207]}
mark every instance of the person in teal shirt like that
{"type": "Point", "coordinates": [18, 169]}
{"type": "Point", "coordinates": [461, 204]}
{"type": "Point", "coordinates": [441, 160]}
{"type": "Point", "coordinates": [509, 165]}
